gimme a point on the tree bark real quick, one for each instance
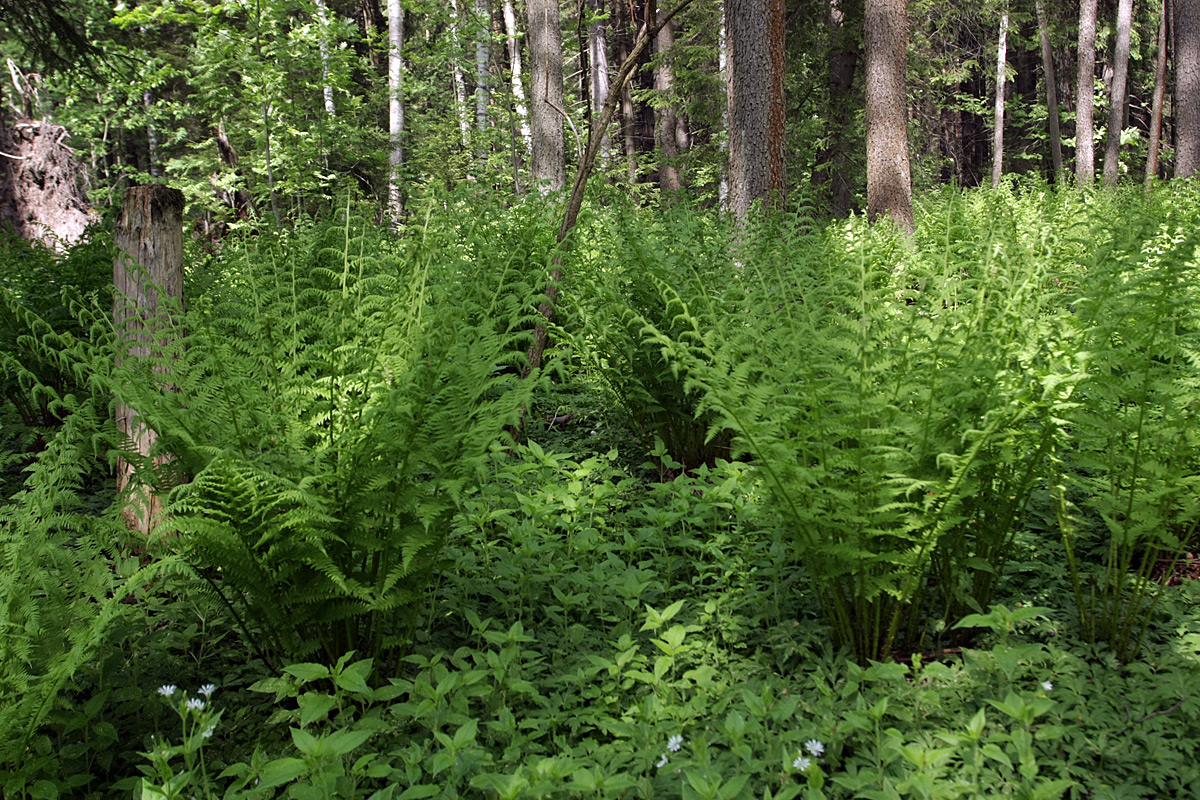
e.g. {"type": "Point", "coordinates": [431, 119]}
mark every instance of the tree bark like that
{"type": "Point", "coordinates": [396, 111]}
{"type": "Point", "coordinates": [754, 32]}
{"type": "Point", "coordinates": [723, 67]}
{"type": "Point", "coordinates": [323, 46]}
{"type": "Point", "coordinates": [456, 75]}
{"type": "Point", "coordinates": [998, 123]}
{"type": "Point", "coordinates": [843, 63]}
{"type": "Point", "coordinates": [546, 105]}
{"type": "Point", "coordinates": [1085, 165]}
{"type": "Point", "coordinates": [628, 119]}
{"type": "Point", "coordinates": [889, 185]}
{"type": "Point", "coordinates": [537, 347]}
{"type": "Point", "coordinates": [483, 13]}
{"type": "Point", "coordinates": [1160, 92]}
{"type": "Point", "coordinates": [147, 277]}
{"type": "Point", "coordinates": [1051, 78]}
{"type": "Point", "coordinates": [598, 63]}
{"type": "Point", "coordinates": [1187, 88]}
{"type": "Point", "coordinates": [1116, 109]}
{"type": "Point", "coordinates": [518, 88]}
{"type": "Point", "coordinates": [240, 200]}
{"type": "Point", "coordinates": [665, 116]}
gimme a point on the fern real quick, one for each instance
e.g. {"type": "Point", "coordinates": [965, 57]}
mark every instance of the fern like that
{"type": "Point", "coordinates": [1127, 495]}
{"type": "Point", "coordinates": [56, 606]}
{"type": "Point", "coordinates": [330, 400]}
{"type": "Point", "coordinates": [880, 396]}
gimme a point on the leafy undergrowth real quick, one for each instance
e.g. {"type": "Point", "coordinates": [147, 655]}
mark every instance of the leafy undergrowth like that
{"type": "Point", "coordinates": [989, 433]}
{"type": "Point", "coordinates": [600, 634]}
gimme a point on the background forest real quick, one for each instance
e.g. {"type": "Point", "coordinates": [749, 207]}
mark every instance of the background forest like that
{"type": "Point", "coordinates": [529, 398]}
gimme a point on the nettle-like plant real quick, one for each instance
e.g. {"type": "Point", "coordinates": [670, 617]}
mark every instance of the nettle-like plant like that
{"type": "Point", "coordinates": [1128, 497]}
{"type": "Point", "coordinates": [329, 402]}
{"type": "Point", "coordinates": [891, 407]}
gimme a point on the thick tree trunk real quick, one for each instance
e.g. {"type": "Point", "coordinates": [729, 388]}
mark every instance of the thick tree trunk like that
{"type": "Point", "coordinates": [998, 123]}
{"type": "Point", "coordinates": [1116, 109]}
{"type": "Point", "coordinates": [1085, 166]}
{"type": "Point", "coordinates": [889, 185]}
{"type": "Point", "coordinates": [323, 46]}
{"type": "Point", "coordinates": [665, 116]}
{"type": "Point", "coordinates": [755, 36]}
{"type": "Point", "coordinates": [147, 277]}
{"type": "Point", "coordinates": [518, 88]}
{"type": "Point", "coordinates": [1160, 92]}
{"type": "Point", "coordinates": [396, 111]}
{"type": "Point", "coordinates": [1187, 88]}
{"type": "Point", "coordinates": [830, 168]}
{"type": "Point", "coordinates": [1056, 159]}
{"type": "Point", "coordinates": [546, 104]}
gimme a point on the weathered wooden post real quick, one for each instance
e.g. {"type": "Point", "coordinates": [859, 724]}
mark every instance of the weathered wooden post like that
{"type": "Point", "coordinates": [147, 274]}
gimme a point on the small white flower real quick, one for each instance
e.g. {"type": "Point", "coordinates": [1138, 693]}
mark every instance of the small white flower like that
{"type": "Point", "coordinates": [208, 732]}
{"type": "Point", "coordinates": [674, 743]}
{"type": "Point", "coordinates": [662, 762]}
{"type": "Point", "coordinates": [814, 747]}
{"type": "Point", "coordinates": [1047, 685]}
{"type": "Point", "coordinates": [195, 704]}
{"type": "Point", "coordinates": [207, 689]}
{"type": "Point", "coordinates": [801, 763]}
{"type": "Point", "coordinates": [167, 690]}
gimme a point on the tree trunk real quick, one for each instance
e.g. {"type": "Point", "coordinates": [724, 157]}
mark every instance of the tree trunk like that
{"type": "Point", "coordinates": [239, 200]}
{"type": "Point", "coordinates": [147, 276]}
{"type": "Point", "coordinates": [843, 62]}
{"type": "Point", "coordinates": [998, 123]}
{"type": "Point", "coordinates": [395, 111]}
{"type": "Point", "coordinates": [1085, 166]}
{"type": "Point", "coordinates": [323, 45]}
{"type": "Point", "coordinates": [1187, 88]}
{"type": "Point", "coordinates": [546, 73]}
{"type": "Point", "coordinates": [1056, 158]}
{"type": "Point", "coordinates": [665, 116]}
{"type": "Point", "coordinates": [625, 23]}
{"type": "Point", "coordinates": [582, 172]}
{"type": "Point", "coordinates": [456, 76]}
{"type": "Point", "coordinates": [723, 67]}
{"type": "Point", "coordinates": [1116, 109]}
{"type": "Point", "coordinates": [889, 186]}
{"type": "Point", "coordinates": [1160, 92]}
{"type": "Point", "coordinates": [151, 135]}
{"type": "Point", "coordinates": [518, 88]}
{"type": "Point", "coordinates": [754, 31]}
{"type": "Point", "coordinates": [483, 13]}
{"type": "Point", "coordinates": [598, 61]}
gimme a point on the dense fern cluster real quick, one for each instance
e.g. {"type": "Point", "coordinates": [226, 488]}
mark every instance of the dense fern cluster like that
{"type": "Point", "coordinates": [902, 403]}
{"type": "Point", "coordinates": [326, 403]}
{"type": "Point", "coordinates": [1127, 491]}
